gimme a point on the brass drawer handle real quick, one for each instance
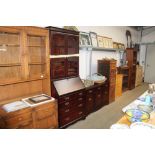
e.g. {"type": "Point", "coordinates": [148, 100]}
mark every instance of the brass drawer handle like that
{"type": "Point", "coordinates": [67, 110]}
{"type": "Point", "coordinates": [19, 119]}
{"type": "Point", "coordinates": [90, 91]}
{"type": "Point", "coordinates": [80, 112]}
{"type": "Point", "coordinates": [90, 99]}
{"type": "Point", "coordinates": [80, 94]}
{"type": "Point", "coordinates": [99, 95]}
{"type": "Point", "coordinates": [67, 103]}
{"type": "Point", "coordinates": [80, 99]}
{"type": "Point", "coordinates": [66, 98]}
{"type": "Point", "coordinates": [67, 119]}
{"type": "Point", "coordinates": [80, 105]}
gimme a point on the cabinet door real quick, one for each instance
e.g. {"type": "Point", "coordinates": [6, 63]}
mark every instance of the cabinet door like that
{"type": "Point", "coordinates": [73, 44]}
{"type": "Point", "coordinates": [58, 68]}
{"type": "Point", "coordinates": [112, 93]}
{"type": "Point", "coordinates": [58, 43]}
{"type": "Point", "coordinates": [72, 66]}
{"type": "Point", "coordinates": [10, 56]}
{"type": "Point", "coordinates": [37, 56]}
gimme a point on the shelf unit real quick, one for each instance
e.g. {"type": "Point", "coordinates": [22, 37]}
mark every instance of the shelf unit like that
{"type": "Point", "coordinates": [91, 48]}
{"type": "Point", "coordinates": [124, 70]}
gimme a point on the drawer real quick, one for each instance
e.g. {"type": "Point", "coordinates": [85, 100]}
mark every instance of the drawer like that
{"type": "Point", "coordinates": [73, 97]}
{"type": "Point", "coordinates": [48, 122]}
{"type": "Point", "coordinates": [19, 120]}
{"type": "Point", "coordinates": [43, 113]}
{"type": "Point", "coordinates": [70, 118]}
{"type": "Point", "coordinates": [69, 110]}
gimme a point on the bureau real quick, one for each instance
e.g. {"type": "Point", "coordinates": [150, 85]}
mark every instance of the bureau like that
{"type": "Point", "coordinates": [71, 108]}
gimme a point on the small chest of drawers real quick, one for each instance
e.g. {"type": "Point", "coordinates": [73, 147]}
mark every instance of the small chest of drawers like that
{"type": "Point", "coordinates": [71, 108]}
{"type": "Point", "coordinates": [38, 117]}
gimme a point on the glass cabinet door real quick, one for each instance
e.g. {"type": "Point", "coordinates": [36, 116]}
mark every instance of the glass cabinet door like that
{"type": "Point", "coordinates": [10, 57]}
{"type": "Point", "coordinates": [37, 56]}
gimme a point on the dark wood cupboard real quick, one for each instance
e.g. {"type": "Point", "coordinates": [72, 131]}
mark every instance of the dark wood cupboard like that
{"type": "Point", "coordinates": [108, 69]}
{"type": "Point", "coordinates": [63, 41]}
{"type": "Point", "coordinates": [64, 67]}
{"type": "Point", "coordinates": [131, 57]}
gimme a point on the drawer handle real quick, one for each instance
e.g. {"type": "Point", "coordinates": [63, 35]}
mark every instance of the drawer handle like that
{"type": "Point", "coordinates": [19, 119]}
{"type": "Point", "coordinates": [98, 88]}
{"type": "Point", "coordinates": [80, 99]}
{"type": "Point", "coordinates": [67, 103]}
{"type": "Point", "coordinates": [90, 91]}
{"type": "Point", "coordinates": [67, 119]}
{"type": "Point", "coordinates": [80, 105]}
{"type": "Point", "coordinates": [80, 112]}
{"type": "Point", "coordinates": [80, 94]}
{"type": "Point", "coordinates": [99, 95]}
{"type": "Point", "coordinates": [90, 99]}
{"type": "Point", "coordinates": [66, 98]}
{"type": "Point", "coordinates": [67, 110]}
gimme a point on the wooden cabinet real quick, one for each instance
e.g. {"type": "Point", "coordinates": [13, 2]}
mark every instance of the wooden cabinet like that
{"type": "Point", "coordinates": [96, 97]}
{"type": "Point", "coordinates": [58, 68]}
{"type": "Point", "coordinates": [24, 62]}
{"type": "Point", "coordinates": [118, 90]}
{"type": "Point", "coordinates": [108, 69]}
{"type": "Point", "coordinates": [131, 57]}
{"type": "Point", "coordinates": [40, 117]}
{"type": "Point", "coordinates": [63, 41]}
{"type": "Point", "coordinates": [124, 70]}
{"type": "Point", "coordinates": [64, 67]}
{"type": "Point", "coordinates": [71, 100]}
{"type": "Point", "coordinates": [71, 108]}
{"type": "Point", "coordinates": [139, 75]}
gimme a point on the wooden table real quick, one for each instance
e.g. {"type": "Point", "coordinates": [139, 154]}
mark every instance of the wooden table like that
{"type": "Point", "coordinates": [124, 120]}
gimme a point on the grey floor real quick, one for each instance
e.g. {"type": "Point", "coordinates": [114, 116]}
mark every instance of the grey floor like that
{"type": "Point", "coordinates": [110, 114]}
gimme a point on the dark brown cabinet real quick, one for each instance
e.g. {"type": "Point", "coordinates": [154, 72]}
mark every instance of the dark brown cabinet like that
{"type": "Point", "coordinates": [64, 67]}
{"type": "Point", "coordinates": [96, 97]}
{"type": "Point", "coordinates": [131, 57]}
{"type": "Point", "coordinates": [108, 69]}
{"type": "Point", "coordinates": [63, 41]}
{"type": "Point", "coordinates": [72, 66]}
{"type": "Point", "coordinates": [58, 68]}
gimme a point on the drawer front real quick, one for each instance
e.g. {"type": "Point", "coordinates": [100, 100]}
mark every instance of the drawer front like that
{"type": "Point", "coordinates": [43, 113]}
{"type": "Point", "coordinates": [19, 120]}
{"type": "Point", "coordinates": [48, 122]}
{"type": "Point", "coordinates": [71, 97]}
{"type": "Point", "coordinates": [69, 110]}
{"type": "Point", "coordinates": [70, 118]}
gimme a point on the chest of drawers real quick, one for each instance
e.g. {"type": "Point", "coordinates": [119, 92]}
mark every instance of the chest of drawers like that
{"type": "Point", "coordinates": [71, 108]}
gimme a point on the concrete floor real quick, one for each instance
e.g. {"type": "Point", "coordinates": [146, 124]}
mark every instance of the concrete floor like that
{"type": "Point", "coordinates": [110, 114]}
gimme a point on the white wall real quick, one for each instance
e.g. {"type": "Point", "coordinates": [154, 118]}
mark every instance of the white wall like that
{"type": "Point", "coordinates": [117, 33]}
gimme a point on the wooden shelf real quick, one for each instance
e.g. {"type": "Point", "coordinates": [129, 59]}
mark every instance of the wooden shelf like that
{"type": "Point", "coordinates": [22, 81]}
{"type": "Point", "coordinates": [99, 48]}
{"type": "Point", "coordinates": [16, 45]}
{"type": "Point", "coordinates": [35, 46]}
{"type": "Point", "coordinates": [37, 63]}
{"type": "Point", "coordinates": [10, 65]}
